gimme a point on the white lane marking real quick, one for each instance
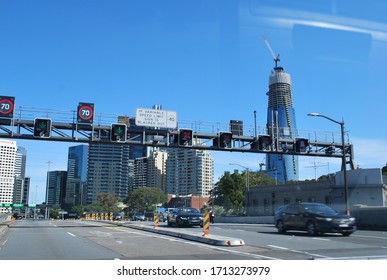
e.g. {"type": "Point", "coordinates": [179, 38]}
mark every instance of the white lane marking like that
{"type": "Point", "coordinates": [369, 236]}
{"type": "Point", "coordinates": [322, 239]}
{"type": "Point", "coordinates": [70, 234]}
{"type": "Point", "coordinates": [278, 247]}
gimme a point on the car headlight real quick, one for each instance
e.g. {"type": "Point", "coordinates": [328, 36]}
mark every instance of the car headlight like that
{"type": "Point", "coordinates": [352, 219]}
{"type": "Point", "coordinates": [324, 219]}
{"type": "Point", "coordinates": [183, 218]}
{"type": "Point", "coordinates": [201, 217]}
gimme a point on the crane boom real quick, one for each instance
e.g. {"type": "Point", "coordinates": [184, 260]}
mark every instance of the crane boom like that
{"type": "Point", "coordinates": [276, 58]}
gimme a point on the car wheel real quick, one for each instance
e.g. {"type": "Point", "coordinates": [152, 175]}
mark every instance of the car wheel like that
{"type": "Point", "coordinates": [346, 233]}
{"type": "Point", "coordinates": [169, 223]}
{"type": "Point", "coordinates": [280, 227]}
{"type": "Point", "coordinates": [311, 228]}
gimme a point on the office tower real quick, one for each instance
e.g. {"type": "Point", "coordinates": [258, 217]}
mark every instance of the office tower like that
{"type": "Point", "coordinates": [7, 172]}
{"type": "Point", "coordinates": [76, 176]}
{"type": "Point", "coordinates": [56, 188]}
{"type": "Point", "coordinates": [108, 171]}
{"type": "Point", "coordinates": [26, 191]}
{"type": "Point", "coordinates": [189, 172]}
{"type": "Point", "coordinates": [281, 124]}
{"type": "Point", "coordinates": [20, 174]}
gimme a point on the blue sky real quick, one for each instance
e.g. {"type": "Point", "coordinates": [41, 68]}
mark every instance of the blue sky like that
{"type": "Point", "coordinates": [206, 60]}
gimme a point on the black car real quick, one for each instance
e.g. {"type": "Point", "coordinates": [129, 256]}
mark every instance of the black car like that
{"type": "Point", "coordinates": [185, 216]}
{"type": "Point", "coordinates": [315, 218]}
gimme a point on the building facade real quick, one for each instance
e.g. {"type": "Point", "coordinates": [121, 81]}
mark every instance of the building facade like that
{"type": "Point", "coordinates": [7, 172]}
{"type": "Point", "coordinates": [157, 170]}
{"type": "Point", "coordinates": [281, 124]}
{"type": "Point", "coordinates": [365, 187]}
{"type": "Point", "coordinates": [108, 171]}
{"type": "Point", "coordinates": [56, 188]}
{"type": "Point", "coordinates": [189, 172]}
{"type": "Point", "coordinates": [76, 176]}
{"type": "Point", "coordinates": [20, 176]}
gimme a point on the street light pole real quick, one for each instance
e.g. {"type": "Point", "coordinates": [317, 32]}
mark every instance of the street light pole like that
{"type": "Point", "coordinates": [247, 185]}
{"type": "Point", "coordinates": [343, 158]}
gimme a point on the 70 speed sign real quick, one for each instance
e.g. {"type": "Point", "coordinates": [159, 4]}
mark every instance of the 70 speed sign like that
{"type": "Point", "coordinates": [85, 113]}
{"type": "Point", "coordinates": [7, 105]}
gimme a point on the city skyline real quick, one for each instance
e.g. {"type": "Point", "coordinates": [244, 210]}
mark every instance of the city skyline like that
{"type": "Point", "coordinates": [205, 60]}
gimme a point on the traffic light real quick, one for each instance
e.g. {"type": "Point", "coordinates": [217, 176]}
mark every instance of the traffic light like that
{"type": "Point", "coordinates": [264, 142]}
{"type": "Point", "coordinates": [225, 139]}
{"type": "Point", "coordinates": [118, 132]}
{"type": "Point", "coordinates": [185, 137]}
{"type": "Point", "coordinates": [42, 128]}
{"type": "Point", "coordinates": [301, 145]}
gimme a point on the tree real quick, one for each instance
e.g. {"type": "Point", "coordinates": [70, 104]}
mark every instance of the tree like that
{"type": "Point", "coordinates": [230, 190]}
{"type": "Point", "coordinates": [106, 202]}
{"type": "Point", "coordinates": [384, 170]}
{"type": "Point", "coordinates": [145, 199]}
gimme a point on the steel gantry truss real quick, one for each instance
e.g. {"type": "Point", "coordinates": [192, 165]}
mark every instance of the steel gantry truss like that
{"type": "Point", "coordinates": [72, 131]}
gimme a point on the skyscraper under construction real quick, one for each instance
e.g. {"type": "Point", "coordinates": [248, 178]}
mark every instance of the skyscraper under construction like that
{"type": "Point", "coordinates": [281, 124]}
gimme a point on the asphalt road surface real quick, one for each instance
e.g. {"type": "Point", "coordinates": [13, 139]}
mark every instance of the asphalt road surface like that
{"type": "Point", "coordinates": [93, 240]}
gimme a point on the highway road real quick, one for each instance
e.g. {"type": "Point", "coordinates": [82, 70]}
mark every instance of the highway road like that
{"type": "Point", "coordinates": [94, 240]}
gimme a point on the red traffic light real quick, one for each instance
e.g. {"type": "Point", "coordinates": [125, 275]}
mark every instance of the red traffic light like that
{"type": "Point", "coordinates": [185, 137]}
{"type": "Point", "coordinates": [225, 140]}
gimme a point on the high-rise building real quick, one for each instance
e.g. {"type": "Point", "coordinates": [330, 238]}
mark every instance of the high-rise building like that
{"type": "Point", "coordinates": [157, 170]}
{"type": "Point", "coordinates": [7, 172]}
{"type": "Point", "coordinates": [76, 176]}
{"type": "Point", "coordinates": [281, 124]}
{"type": "Point", "coordinates": [56, 188]}
{"type": "Point", "coordinates": [189, 172]}
{"type": "Point", "coordinates": [108, 171]}
{"type": "Point", "coordinates": [20, 174]}
{"type": "Point", "coordinates": [140, 173]}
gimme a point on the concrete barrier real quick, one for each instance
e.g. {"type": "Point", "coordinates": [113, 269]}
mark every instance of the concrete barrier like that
{"type": "Point", "coordinates": [245, 219]}
{"type": "Point", "coordinates": [370, 217]}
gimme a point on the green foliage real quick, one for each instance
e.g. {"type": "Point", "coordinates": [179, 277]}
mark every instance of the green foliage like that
{"type": "Point", "coordinates": [145, 199]}
{"type": "Point", "coordinates": [54, 213]}
{"type": "Point", "coordinates": [229, 192]}
{"type": "Point", "coordinates": [106, 202]}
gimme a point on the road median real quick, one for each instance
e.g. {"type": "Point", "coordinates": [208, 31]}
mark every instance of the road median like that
{"type": "Point", "coordinates": [211, 239]}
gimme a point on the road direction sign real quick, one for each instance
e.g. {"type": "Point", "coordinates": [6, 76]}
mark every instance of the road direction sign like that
{"type": "Point", "coordinates": [156, 118]}
{"type": "Point", "coordinates": [7, 105]}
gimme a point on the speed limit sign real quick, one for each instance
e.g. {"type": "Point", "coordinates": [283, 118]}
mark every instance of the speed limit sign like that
{"type": "Point", "coordinates": [85, 113]}
{"type": "Point", "coordinates": [7, 105]}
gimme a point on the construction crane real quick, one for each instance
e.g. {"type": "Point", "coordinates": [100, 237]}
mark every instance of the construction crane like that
{"type": "Point", "coordinates": [276, 58]}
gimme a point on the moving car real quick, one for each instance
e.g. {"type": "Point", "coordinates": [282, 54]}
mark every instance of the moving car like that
{"type": "Point", "coordinates": [315, 218]}
{"type": "Point", "coordinates": [117, 217]}
{"type": "Point", "coordinates": [185, 216]}
{"type": "Point", "coordinates": [138, 217]}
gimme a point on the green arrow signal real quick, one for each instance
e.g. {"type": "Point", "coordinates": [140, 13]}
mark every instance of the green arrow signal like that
{"type": "Point", "coordinates": [42, 125]}
{"type": "Point", "coordinates": [119, 130]}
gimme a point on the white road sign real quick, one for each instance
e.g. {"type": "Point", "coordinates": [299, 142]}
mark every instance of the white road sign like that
{"type": "Point", "coordinates": [156, 118]}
